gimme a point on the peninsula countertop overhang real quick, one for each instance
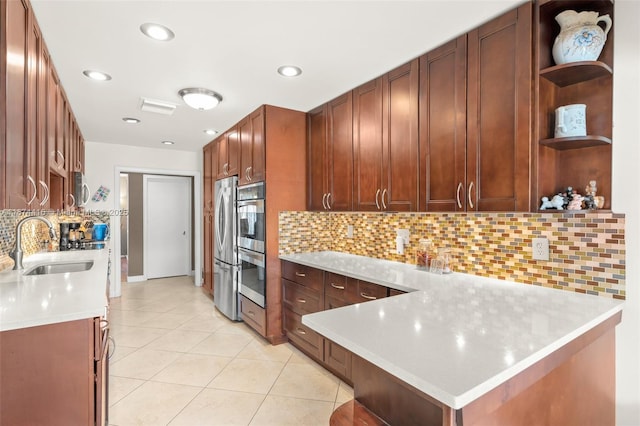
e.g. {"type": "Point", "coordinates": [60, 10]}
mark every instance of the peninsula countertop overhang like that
{"type": "Point", "coordinates": [454, 337]}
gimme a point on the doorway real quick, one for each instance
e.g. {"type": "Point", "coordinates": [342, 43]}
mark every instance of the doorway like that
{"type": "Point", "coordinates": [167, 226]}
{"type": "Point", "coordinates": [196, 223]}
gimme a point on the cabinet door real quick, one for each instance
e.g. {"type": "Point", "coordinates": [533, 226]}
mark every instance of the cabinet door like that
{"type": "Point", "coordinates": [339, 163]}
{"type": "Point", "coordinates": [400, 138]}
{"type": "Point", "coordinates": [367, 145]}
{"type": "Point", "coordinates": [228, 163]}
{"type": "Point", "coordinates": [19, 190]}
{"type": "Point", "coordinates": [42, 148]}
{"type": "Point", "coordinates": [499, 113]}
{"type": "Point", "coordinates": [246, 150]}
{"type": "Point", "coordinates": [443, 84]}
{"type": "Point", "coordinates": [316, 158]}
{"type": "Point", "coordinates": [258, 160]}
{"type": "Point", "coordinates": [207, 178]}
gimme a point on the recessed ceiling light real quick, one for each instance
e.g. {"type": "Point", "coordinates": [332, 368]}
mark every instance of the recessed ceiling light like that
{"type": "Point", "coordinates": [130, 120]}
{"type": "Point", "coordinates": [157, 31]}
{"type": "Point", "coordinates": [289, 71]}
{"type": "Point", "coordinates": [96, 75]}
{"type": "Point", "coordinates": [211, 132]}
{"type": "Point", "coordinates": [199, 98]}
{"type": "Point", "coordinates": [168, 142]}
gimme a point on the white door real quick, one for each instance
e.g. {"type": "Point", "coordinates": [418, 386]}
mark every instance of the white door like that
{"type": "Point", "coordinates": [167, 226]}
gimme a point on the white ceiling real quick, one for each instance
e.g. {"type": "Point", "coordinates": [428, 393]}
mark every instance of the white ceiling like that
{"type": "Point", "coordinates": [233, 48]}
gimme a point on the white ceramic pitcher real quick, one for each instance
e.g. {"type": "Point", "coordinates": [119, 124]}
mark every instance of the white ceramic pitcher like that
{"type": "Point", "coordinates": [580, 38]}
{"type": "Point", "coordinates": [571, 121]}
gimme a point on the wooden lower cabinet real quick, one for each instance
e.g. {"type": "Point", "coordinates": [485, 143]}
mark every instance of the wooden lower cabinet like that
{"type": "Point", "coordinates": [54, 374]}
{"type": "Point", "coordinates": [307, 290]}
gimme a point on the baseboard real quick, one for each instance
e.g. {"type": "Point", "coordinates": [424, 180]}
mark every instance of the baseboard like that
{"type": "Point", "coordinates": [136, 278]}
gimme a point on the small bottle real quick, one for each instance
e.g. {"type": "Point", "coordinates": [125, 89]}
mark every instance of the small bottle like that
{"type": "Point", "coordinates": [424, 253]}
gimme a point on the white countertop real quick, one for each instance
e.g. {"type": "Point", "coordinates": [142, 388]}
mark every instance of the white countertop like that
{"type": "Point", "coordinates": [456, 336]}
{"type": "Point", "coordinates": [28, 301]}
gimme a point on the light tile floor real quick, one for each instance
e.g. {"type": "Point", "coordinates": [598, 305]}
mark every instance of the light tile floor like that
{"type": "Point", "coordinates": [178, 361]}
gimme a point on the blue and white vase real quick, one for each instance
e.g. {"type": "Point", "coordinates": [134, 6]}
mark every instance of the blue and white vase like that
{"type": "Point", "coordinates": [580, 38]}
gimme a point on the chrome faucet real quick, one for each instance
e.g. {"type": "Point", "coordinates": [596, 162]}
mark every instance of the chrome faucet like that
{"type": "Point", "coordinates": [16, 253]}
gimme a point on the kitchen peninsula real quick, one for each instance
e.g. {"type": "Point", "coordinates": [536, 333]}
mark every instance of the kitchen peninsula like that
{"type": "Point", "coordinates": [461, 349]}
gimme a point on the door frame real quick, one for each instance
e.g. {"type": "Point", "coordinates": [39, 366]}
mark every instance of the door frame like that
{"type": "Point", "coordinates": [145, 232]}
{"type": "Point", "coordinates": [116, 282]}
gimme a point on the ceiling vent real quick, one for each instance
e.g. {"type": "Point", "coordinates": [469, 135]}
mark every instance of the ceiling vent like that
{"type": "Point", "coordinates": [156, 106]}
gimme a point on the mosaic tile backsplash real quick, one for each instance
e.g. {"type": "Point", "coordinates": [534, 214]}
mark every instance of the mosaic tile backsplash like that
{"type": "Point", "coordinates": [586, 250]}
{"type": "Point", "coordinates": [35, 233]}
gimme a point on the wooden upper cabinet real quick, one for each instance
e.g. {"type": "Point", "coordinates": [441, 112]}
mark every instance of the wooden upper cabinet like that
{"type": "Point", "coordinates": [317, 158]}
{"type": "Point", "coordinates": [19, 190]}
{"type": "Point", "coordinates": [443, 84]}
{"type": "Point", "coordinates": [499, 113]}
{"type": "Point", "coordinates": [330, 155]}
{"type": "Point", "coordinates": [251, 133]}
{"type": "Point", "coordinates": [367, 145]}
{"type": "Point", "coordinates": [208, 175]}
{"type": "Point", "coordinates": [228, 154]}
{"type": "Point", "coordinates": [400, 138]}
{"type": "Point", "coordinates": [385, 126]}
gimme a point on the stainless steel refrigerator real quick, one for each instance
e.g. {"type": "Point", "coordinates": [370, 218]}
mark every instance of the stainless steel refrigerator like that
{"type": "Point", "coordinates": [225, 251]}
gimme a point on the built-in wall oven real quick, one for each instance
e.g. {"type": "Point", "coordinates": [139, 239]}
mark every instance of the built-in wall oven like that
{"type": "Point", "coordinates": [251, 242]}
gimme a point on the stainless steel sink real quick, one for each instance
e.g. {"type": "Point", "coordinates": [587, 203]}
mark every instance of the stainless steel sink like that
{"type": "Point", "coordinates": [60, 267]}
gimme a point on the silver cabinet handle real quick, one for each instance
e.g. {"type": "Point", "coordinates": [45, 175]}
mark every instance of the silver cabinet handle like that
{"type": "Point", "coordinates": [251, 314]}
{"type": "Point", "coordinates": [46, 193]}
{"type": "Point", "coordinates": [368, 297]}
{"type": "Point", "coordinates": [301, 331]}
{"type": "Point", "coordinates": [85, 187]}
{"type": "Point", "coordinates": [469, 195]}
{"type": "Point", "coordinates": [301, 300]}
{"type": "Point", "coordinates": [384, 192]}
{"type": "Point", "coordinates": [250, 172]}
{"type": "Point", "coordinates": [73, 200]}
{"type": "Point", "coordinates": [324, 203]}
{"type": "Point", "coordinates": [300, 274]}
{"type": "Point", "coordinates": [458, 195]}
{"type": "Point", "coordinates": [377, 203]}
{"type": "Point", "coordinates": [113, 343]}
{"type": "Point", "coordinates": [58, 153]}
{"type": "Point", "coordinates": [35, 189]}
{"type": "Point", "coordinates": [246, 173]}
{"type": "Point", "coordinates": [339, 287]}
{"type": "Point", "coordinates": [329, 201]}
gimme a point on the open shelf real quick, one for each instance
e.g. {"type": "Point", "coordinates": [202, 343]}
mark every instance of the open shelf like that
{"type": "Point", "coordinates": [575, 142]}
{"type": "Point", "coordinates": [575, 72]}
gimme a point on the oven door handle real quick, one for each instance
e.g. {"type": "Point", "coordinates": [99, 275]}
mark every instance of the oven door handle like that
{"type": "Point", "coordinates": [251, 257]}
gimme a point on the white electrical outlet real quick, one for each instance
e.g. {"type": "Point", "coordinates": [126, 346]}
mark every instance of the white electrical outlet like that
{"type": "Point", "coordinates": [349, 231]}
{"type": "Point", "coordinates": [540, 248]}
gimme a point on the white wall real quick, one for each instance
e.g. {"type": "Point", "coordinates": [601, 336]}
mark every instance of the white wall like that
{"type": "Point", "coordinates": [625, 199]}
{"type": "Point", "coordinates": [101, 159]}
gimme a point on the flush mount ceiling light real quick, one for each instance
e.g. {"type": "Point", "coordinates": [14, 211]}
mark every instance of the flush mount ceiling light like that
{"type": "Point", "coordinates": [130, 120]}
{"type": "Point", "coordinates": [211, 132]}
{"type": "Point", "coordinates": [157, 31]}
{"type": "Point", "coordinates": [289, 71]}
{"type": "Point", "coordinates": [201, 99]}
{"type": "Point", "coordinates": [96, 75]}
{"type": "Point", "coordinates": [168, 142]}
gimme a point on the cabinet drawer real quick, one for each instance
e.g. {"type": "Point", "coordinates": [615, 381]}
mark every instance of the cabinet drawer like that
{"type": "Point", "coordinates": [337, 286]}
{"type": "Point", "coordinates": [301, 299]}
{"type": "Point", "coordinates": [253, 315]}
{"type": "Point", "coordinates": [368, 291]}
{"type": "Point", "coordinates": [303, 275]}
{"type": "Point", "coordinates": [302, 336]}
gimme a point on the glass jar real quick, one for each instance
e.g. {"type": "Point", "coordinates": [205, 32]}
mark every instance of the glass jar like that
{"type": "Point", "coordinates": [424, 253]}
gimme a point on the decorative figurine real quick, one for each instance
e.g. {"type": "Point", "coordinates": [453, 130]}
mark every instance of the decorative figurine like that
{"type": "Point", "coordinates": [592, 200]}
{"type": "Point", "coordinates": [576, 201]}
{"type": "Point", "coordinates": [546, 204]}
{"type": "Point", "coordinates": [558, 201]}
